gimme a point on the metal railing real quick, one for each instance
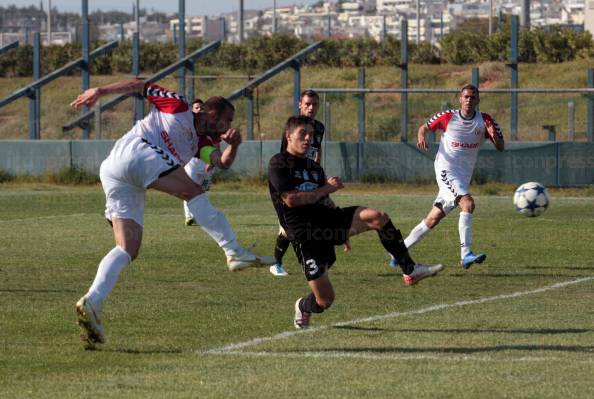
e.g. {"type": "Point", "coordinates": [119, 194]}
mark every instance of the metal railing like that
{"type": "Point", "coordinates": [9, 47]}
{"type": "Point", "coordinates": [361, 91]}
{"type": "Point", "coordinates": [83, 120]}
{"type": "Point", "coordinates": [247, 90]}
{"type": "Point", "coordinates": [33, 90]}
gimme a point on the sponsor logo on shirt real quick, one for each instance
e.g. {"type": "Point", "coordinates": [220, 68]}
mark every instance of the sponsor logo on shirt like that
{"type": "Point", "coordinates": [458, 144]}
{"type": "Point", "coordinates": [169, 144]}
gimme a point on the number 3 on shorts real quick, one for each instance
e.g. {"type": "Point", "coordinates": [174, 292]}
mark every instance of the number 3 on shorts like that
{"type": "Point", "coordinates": [312, 268]}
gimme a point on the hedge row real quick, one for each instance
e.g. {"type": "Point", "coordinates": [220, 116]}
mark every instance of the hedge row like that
{"type": "Point", "coordinates": [259, 53]}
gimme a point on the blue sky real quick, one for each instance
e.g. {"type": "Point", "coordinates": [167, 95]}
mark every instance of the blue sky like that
{"type": "Point", "coordinates": [193, 7]}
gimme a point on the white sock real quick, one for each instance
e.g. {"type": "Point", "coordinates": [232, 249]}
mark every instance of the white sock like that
{"type": "Point", "coordinates": [107, 274]}
{"type": "Point", "coordinates": [420, 231]}
{"type": "Point", "coordinates": [187, 211]}
{"type": "Point", "coordinates": [214, 223]}
{"type": "Point", "coordinates": [465, 230]}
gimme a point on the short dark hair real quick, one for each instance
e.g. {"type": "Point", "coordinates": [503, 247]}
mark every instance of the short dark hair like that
{"type": "Point", "coordinates": [295, 121]}
{"type": "Point", "coordinates": [309, 93]}
{"type": "Point", "coordinates": [469, 87]}
{"type": "Point", "coordinates": [218, 104]}
{"type": "Point", "coordinates": [197, 101]}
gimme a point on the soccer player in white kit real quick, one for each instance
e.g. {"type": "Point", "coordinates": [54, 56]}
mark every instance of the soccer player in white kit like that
{"type": "Point", "coordinates": [150, 155]}
{"type": "Point", "coordinates": [464, 130]}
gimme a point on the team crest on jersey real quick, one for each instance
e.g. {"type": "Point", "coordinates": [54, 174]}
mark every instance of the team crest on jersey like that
{"type": "Point", "coordinates": [315, 175]}
{"type": "Point", "coordinates": [297, 174]}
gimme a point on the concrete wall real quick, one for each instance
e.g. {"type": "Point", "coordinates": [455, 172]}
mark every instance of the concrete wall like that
{"type": "Point", "coordinates": [552, 164]}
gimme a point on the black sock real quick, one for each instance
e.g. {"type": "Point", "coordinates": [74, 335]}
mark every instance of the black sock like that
{"type": "Point", "coordinates": [309, 304]}
{"type": "Point", "coordinates": [392, 240]}
{"type": "Point", "coordinates": [282, 243]}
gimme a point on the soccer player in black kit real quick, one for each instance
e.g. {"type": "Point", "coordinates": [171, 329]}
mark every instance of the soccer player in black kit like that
{"type": "Point", "coordinates": [309, 104]}
{"type": "Point", "coordinates": [300, 192]}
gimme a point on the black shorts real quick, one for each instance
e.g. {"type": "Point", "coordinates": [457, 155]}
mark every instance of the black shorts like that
{"type": "Point", "coordinates": [315, 251]}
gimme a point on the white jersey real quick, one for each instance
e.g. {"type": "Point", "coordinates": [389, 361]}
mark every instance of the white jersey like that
{"type": "Point", "coordinates": [460, 141]}
{"type": "Point", "coordinates": [169, 125]}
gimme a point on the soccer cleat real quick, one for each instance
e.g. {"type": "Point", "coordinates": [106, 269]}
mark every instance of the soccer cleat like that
{"type": "Point", "coordinates": [301, 321]}
{"type": "Point", "coordinates": [471, 258]}
{"type": "Point", "coordinates": [246, 259]}
{"type": "Point", "coordinates": [89, 321]}
{"type": "Point", "coordinates": [393, 263]}
{"type": "Point", "coordinates": [190, 222]}
{"type": "Point", "coordinates": [278, 270]}
{"type": "Point", "coordinates": [420, 272]}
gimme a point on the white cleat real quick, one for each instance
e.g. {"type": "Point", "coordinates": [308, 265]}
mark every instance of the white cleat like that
{"type": "Point", "coordinates": [420, 272]}
{"type": "Point", "coordinates": [301, 321]}
{"type": "Point", "coordinates": [248, 259]}
{"type": "Point", "coordinates": [89, 321]}
{"type": "Point", "coordinates": [278, 270]}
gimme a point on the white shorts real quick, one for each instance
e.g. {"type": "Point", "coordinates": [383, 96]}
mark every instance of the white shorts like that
{"type": "Point", "coordinates": [452, 186]}
{"type": "Point", "coordinates": [132, 165]}
{"type": "Point", "coordinates": [196, 169]}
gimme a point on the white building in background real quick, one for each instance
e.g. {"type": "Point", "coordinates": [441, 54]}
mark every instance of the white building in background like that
{"type": "Point", "coordinates": [589, 16]}
{"type": "Point", "coordinates": [392, 6]}
{"type": "Point", "coordinates": [201, 27]}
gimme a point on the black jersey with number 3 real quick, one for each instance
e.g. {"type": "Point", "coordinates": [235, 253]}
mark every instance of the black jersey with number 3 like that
{"type": "Point", "coordinates": [316, 143]}
{"type": "Point", "coordinates": [289, 173]}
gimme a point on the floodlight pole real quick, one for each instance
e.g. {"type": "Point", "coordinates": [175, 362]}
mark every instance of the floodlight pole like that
{"type": "Point", "coordinates": [182, 46]}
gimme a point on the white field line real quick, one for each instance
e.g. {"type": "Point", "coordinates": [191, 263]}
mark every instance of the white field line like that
{"type": "Point", "coordinates": [232, 348]}
{"type": "Point", "coordinates": [373, 356]}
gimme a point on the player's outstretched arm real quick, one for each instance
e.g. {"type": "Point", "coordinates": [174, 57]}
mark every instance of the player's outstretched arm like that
{"type": "Point", "coordinates": [90, 96]}
{"type": "Point", "coordinates": [421, 140]}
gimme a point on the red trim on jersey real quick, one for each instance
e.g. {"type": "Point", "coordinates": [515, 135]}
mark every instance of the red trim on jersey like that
{"type": "Point", "coordinates": [165, 100]}
{"type": "Point", "coordinates": [488, 120]}
{"type": "Point", "coordinates": [440, 121]}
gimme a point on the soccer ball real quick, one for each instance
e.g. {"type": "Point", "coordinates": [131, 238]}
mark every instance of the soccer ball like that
{"type": "Point", "coordinates": [531, 199]}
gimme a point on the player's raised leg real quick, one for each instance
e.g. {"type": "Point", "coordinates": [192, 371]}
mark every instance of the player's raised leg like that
{"type": "Point", "coordinates": [210, 219]}
{"type": "Point", "coordinates": [365, 219]}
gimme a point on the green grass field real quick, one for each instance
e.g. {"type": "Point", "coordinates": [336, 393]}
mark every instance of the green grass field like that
{"type": "Point", "coordinates": [178, 324]}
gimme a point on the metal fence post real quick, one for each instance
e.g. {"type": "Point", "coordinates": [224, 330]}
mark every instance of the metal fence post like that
{"type": "Point", "coordinates": [34, 99]}
{"type": "Point", "coordinates": [361, 121]}
{"type": "Point", "coordinates": [328, 120]}
{"type": "Point", "coordinates": [182, 46]}
{"type": "Point", "coordinates": [590, 106]}
{"type": "Point", "coordinates": [474, 79]}
{"type": "Point", "coordinates": [86, 44]}
{"type": "Point", "coordinates": [138, 100]}
{"type": "Point", "coordinates": [191, 91]}
{"type": "Point", "coordinates": [571, 120]}
{"type": "Point", "coordinates": [249, 96]}
{"type": "Point", "coordinates": [514, 78]}
{"type": "Point", "coordinates": [404, 80]}
{"type": "Point", "coordinates": [296, 65]}
{"type": "Point", "coordinates": [361, 105]}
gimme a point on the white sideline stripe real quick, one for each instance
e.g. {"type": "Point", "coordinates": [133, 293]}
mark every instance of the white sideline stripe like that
{"type": "Point", "coordinates": [372, 356]}
{"type": "Point", "coordinates": [288, 334]}
{"type": "Point", "coordinates": [48, 217]}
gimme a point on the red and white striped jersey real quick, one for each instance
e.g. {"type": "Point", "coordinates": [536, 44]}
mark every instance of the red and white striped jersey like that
{"type": "Point", "coordinates": [461, 139]}
{"type": "Point", "coordinates": [169, 124]}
